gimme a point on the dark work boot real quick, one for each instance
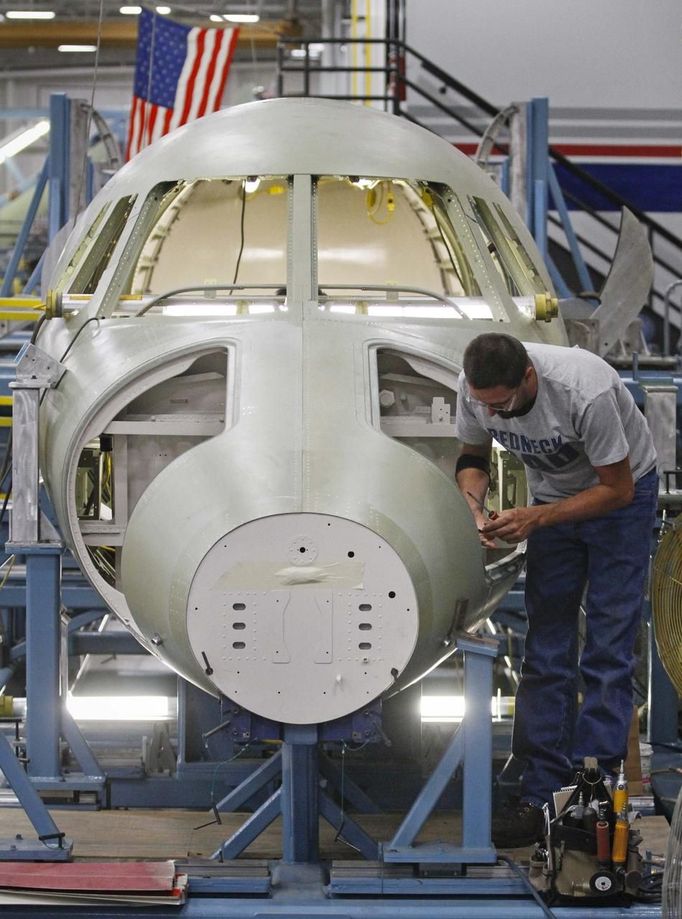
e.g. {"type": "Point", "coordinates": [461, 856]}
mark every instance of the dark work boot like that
{"type": "Point", "coordinates": [518, 824]}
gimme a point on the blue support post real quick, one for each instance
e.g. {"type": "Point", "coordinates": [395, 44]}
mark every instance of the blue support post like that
{"type": "Point", "coordinates": [471, 746]}
{"type": "Point", "coordinates": [299, 801]}
{"type": "Point", "coordinates": [540, 216]}
{"type": "Point", "coordinates": [34, 280]}
{"type": "Point", "coordinates": [348, 829]}
{"type": "Point", "coordinates": [562, 287]}
{"type": "Point", "coordinates": [42, 659]}
{"type": "Point", "coordinates": [478, 743]}
{"type": "Point", "coordinates": [86, 758]}
{"type": "Point", "coordinates": [567, 227]}
{"type": "Point", "coordinates": [537, 167]}
{"type": "Point", "coordinates": [268, 772]}
{"type": "Point", "coordinates": [428, 797]}
{"type": "Point", "coordinates": [257, 823]}
{"type": "Point", "coordinates": [347, 787]}
{"type": "Point", "coordinates": [22, 238]}
{"type": "Point", "coordinates": [59, 158]}
{"type": "Point", "coordinates": [300, 806]}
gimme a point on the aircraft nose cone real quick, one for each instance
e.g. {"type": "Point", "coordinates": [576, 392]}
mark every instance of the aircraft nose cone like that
{"type": "Point", "coordinates": [302, 618]}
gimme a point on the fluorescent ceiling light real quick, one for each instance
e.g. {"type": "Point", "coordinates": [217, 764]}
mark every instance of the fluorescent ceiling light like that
{"type": "Point", "coordinates": [214, 17]}
{"type": "Point", "coordinates": [241, 17]}
{"type": "Point", "coordinates": [130, 10]}
{"type": "Point", "coordinates": [24, 139]}
{"type": "Point", "coordinates": [163, 10]}
{"type": "Point", "coordinates": [449, 709]}
{"type": "Point", "coordinates": [30, 14]}
{"type": "Point", "coordinates": [442, 708]}
{"type": "Point", "coordinates": [119, 708]}
{"type": "Point", "coordinates": [76, 48]}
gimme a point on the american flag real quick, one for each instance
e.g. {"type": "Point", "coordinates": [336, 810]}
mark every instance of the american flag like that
{"type": "Point", "coordinates": [180, 75]}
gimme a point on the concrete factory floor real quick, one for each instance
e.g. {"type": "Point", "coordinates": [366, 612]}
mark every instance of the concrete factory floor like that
{"type": "Point", "coordinates": [172, 834]}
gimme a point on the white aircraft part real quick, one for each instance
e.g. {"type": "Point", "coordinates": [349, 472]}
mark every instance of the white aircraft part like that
{"type": "Point", "coordinates": [302, 617]}
{"type": "Point", "coordinates": [234, 427]}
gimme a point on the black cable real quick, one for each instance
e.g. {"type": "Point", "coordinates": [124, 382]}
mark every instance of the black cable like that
{"type": "Point", "coordinates": [241, 234]}
{"type": "Point", "coordinates": [650, 888]}
{"type": "Point", "coordinates": [3, 509]}
{"type": "Point", "coordinates": [75, 339]}
{"type": "Point", "coordinates": [536, 896]}
{"type": "Point", "coordinates": [6, 458]}
{"type": "Point", "coordinates": [6, 469]}
{"type": "Point", "coordinates": [37, 328]}
{"type": "Point", "coordinates": [71, 344]}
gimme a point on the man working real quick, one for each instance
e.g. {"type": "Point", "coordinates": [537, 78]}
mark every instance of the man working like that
{"type": "Point", "coordinates": [591, 469]}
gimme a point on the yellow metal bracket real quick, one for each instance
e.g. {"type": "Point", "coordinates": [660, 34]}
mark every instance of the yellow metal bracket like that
{"type": "Point", "coordinates": [25, 309]}
{"type": "Point", "coordinates": [20, 308]}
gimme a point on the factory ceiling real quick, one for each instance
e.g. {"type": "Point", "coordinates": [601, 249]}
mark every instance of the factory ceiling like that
{"type": "Point", "coordinates": [27, 43]}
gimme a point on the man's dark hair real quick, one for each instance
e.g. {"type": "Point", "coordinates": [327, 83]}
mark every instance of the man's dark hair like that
{"type": "Point", "coordinates": [493, 359]}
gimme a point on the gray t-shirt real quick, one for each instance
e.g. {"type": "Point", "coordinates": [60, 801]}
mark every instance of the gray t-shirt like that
{"type": "Point", "coordinates": [583, 417]}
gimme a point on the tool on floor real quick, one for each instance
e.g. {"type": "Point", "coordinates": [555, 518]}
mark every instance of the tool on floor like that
{"type": "Point", "coordinates": [590, 849]}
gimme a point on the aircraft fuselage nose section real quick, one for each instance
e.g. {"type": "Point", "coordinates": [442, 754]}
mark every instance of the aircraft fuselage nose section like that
{"type": "Point", "coordinates": [302, 617]}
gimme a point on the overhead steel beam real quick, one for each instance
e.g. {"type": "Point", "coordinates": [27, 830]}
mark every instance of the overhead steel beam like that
{"type": "Point", "coordinates": [121, 34]}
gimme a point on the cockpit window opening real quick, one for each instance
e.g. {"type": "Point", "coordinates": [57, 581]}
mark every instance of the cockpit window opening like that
{"type": "Point", "coordinates": [236, 229]}
{"type": "Point", "coordinates": [453, 245]}
{"type": "Point", "coordinates": [366, 227]}
{"type": "Point", "coordinates": [507, 252]}
{"type": "Point", "coordinates": [163, 219]}
{"type": "Point", "coordinates": [82, 247]}
{"type": "Point", "coordinates": [494, 301]}
{"type": "Point", "coordinates": [103, 242]}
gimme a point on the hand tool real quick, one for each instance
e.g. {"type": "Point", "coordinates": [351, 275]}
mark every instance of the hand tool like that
{"type": "Point", "coordinates": [492, 515]}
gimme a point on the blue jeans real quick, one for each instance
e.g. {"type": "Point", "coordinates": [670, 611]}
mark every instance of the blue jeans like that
{"type": "Point", "coordinates": [611, 555]}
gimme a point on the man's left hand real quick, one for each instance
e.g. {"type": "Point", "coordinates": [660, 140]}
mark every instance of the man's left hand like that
{"type": "Point", "coordinates": [513, 525]}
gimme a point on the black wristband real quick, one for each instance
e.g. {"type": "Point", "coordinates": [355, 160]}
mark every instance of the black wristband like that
{"type": "Point", "coordinates": [470, 461]}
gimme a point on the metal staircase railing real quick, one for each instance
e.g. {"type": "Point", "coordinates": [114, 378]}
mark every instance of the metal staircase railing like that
{"type": "Point", "coordinates": [397, 82]}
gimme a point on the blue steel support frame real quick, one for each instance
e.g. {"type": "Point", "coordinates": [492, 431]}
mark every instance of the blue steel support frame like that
{"type": "Point", "coordinates": [42, 660]}
{"type": "Point", "coordinates": [55, 173]}
{"type": "Point", "coordinates": [299, 800]}
{"type": "Point", "coordinates": [53, 845]}
{"type": "Point", "coordinates": [80, 749]}
{"type": "Point", "coordinates": [471, 746]}
{"type": "Point", "coordinates": [59, 158]}
{"type": "Point", "coordinates": [542, 184]}
{"type": "Point", "coordinates": [567, 226]}
{"type": "Point", "coordinates": [22, 238]}
{"type": "Point", "coordinates": [537, 167]}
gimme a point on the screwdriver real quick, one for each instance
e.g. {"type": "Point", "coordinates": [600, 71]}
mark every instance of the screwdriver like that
{"type": "Point", "coordinates": [492, 515]}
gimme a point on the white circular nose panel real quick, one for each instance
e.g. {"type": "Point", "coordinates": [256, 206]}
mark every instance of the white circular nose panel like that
{"type": "Point", "coordinates": [302, 618]}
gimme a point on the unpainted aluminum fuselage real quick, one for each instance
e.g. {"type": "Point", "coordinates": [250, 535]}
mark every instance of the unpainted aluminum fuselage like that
{"type": "Point", "coordinates": [277, 521]}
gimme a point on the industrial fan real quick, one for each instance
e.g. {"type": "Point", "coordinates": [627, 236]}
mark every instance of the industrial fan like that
{"type": "Point", "coordinates": [666, 604]}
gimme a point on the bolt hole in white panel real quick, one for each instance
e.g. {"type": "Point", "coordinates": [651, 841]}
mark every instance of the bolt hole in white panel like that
{"type": "Point", "coordinates": [297, 627]}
